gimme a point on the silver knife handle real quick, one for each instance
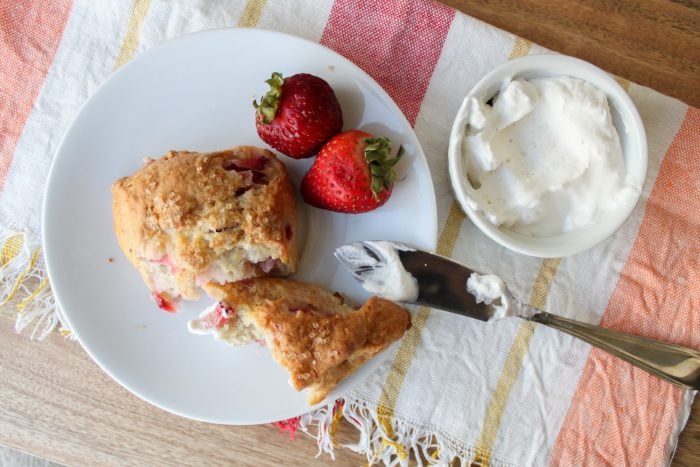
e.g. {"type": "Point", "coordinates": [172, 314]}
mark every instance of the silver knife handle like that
{"type": "Point", "coordinates": [676, 364]}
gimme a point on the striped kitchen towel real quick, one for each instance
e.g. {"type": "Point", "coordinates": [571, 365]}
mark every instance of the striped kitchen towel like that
{"type": "Point", "coordinates": [506, 394]}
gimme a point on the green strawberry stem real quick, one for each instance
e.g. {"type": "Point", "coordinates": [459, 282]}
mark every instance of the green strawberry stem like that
{"type": "Point", "coordinates": [380, 166]}
{"type": "Point", "coordinates": [267, 108]}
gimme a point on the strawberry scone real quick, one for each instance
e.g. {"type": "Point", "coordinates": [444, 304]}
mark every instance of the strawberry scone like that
{"type": "Point", "coordinates": [191, 218]}
{"type": "Point", "coordinates": [311, 332]}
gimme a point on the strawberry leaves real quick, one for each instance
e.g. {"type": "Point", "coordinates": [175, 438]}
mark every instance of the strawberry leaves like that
{"type": "Point", "coordinates": [380, 166]}
{"type": "Point", "coordinates": [267, 109]}
{"type": "Point", "coordinates": [352, 173]}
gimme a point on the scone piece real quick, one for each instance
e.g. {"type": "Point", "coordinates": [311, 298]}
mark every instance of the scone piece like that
{"type": "Point", "coordinates": [310, 331]}
{"type": "Point", "coordinates": [190, 218]}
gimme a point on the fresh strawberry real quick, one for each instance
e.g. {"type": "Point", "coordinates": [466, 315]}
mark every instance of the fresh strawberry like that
{"type": "Point", "coordinates": [298, 114]}
{"type": "Point", "coordinates": [352, 173]}
{"type": "Point", "coordinates": [164, 302]}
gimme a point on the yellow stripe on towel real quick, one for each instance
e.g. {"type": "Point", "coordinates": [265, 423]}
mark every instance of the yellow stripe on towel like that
{"type": "Point", "coordinates": [11, 248]}
{"type": "Point", "coordinates": [251, 13]}
{"type": "Point", "coordinates": [521, 47]}
{"type": "Point", "coordinates": [399, 369]}
{"type": "Point", "coordinates": [21, 277]}
{"type": "Point", "coordinates": [453, 224]}
{"type": "Point", "coordinates": [24, 303]}
{"type": "Point", "coordinates": [400, 450]}
{"type": "Point", "coordinates": [133, 31]}
{"type": "Point", "coordinates": [624, 83]}
{"type": "Point", "coordinates": [521, 343]}
{"type": "Point", "coordinates": [513, 363]}
{"type": "Point", "coordinates": [335, 423]}
{"type": "Point", "coordinates": [409, 344]}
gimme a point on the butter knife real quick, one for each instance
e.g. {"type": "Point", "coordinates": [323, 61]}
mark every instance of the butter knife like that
{"type": "Point", "coordinates": [405, 274]}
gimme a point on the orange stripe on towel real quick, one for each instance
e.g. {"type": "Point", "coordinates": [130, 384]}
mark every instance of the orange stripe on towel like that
{"type": "Point", "coordinates": [30, 32]}
{"type": "Point", "coordinates": [621, 415]}
{"type": "Point", "coordinates": [401, 44]}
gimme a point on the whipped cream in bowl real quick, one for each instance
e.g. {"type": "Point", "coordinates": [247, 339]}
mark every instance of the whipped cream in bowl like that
{"type": "Point", "coordinates": [547, 155]}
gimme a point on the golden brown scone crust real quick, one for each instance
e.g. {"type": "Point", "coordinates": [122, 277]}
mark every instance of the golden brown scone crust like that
{"type": "Point", "coordinates": [295, 294]}
{"type": "Point", "coordinates": [194, 207]}
{"type": "Point", "coordinates": [311, 332]}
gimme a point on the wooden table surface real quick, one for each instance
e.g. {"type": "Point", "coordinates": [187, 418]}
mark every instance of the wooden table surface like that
{"type": "Point", "coordinates": [56, 403]}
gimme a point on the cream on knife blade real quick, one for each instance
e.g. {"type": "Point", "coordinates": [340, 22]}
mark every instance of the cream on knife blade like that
{"type": "Point", "coordinates": [402, 273]}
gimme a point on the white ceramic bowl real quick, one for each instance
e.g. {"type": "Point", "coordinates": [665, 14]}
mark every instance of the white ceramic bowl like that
{"type": "Point", "coordinates": [632, 138]}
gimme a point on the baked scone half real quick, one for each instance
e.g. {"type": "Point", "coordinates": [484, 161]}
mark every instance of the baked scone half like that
{"type": "Point", "coordinates": [311, 332]}
{"type": "Point", "coordinates": [191, 218]}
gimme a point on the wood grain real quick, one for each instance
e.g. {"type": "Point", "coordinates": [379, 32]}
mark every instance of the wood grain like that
{"type": "Point", "coordinates": [58, 404]}
{"type": "Point", "coordinates": [688, 450]}
{"type": "Point", "coordinates": [655, 43]}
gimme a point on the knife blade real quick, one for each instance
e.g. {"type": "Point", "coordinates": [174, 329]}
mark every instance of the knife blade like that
{"type": "Point", "coordinates": [441, 282]}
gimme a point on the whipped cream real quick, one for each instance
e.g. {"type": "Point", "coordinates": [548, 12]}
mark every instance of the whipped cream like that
{"type": "Point", "coordinates": [224, 325]}
{"type": "Point", "coordinates": [381, 271]}
{"type": "Point", "coordinates": [491, 290]}
{"type": "Point", "coordinates": [198, 326]}
{"type": "Point", "coordinates": [545, 157]}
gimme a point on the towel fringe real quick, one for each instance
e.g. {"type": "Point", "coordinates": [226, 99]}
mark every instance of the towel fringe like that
{"type": "Point", "coordinates": [24, 286]}
{"type": "Point", "coordinates": [425, 444]}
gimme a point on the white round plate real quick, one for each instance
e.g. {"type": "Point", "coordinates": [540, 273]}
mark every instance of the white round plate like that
{"type": "Point", "coordinates": [196, 93]}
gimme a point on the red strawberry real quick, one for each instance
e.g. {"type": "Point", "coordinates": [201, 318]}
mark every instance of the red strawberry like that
{"type": "Point", "coordinates": [164, 302]}
{"type": "Point", "coordinates": [352, 173]}
{"type": "Point", "coordinates": [298, 114]}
